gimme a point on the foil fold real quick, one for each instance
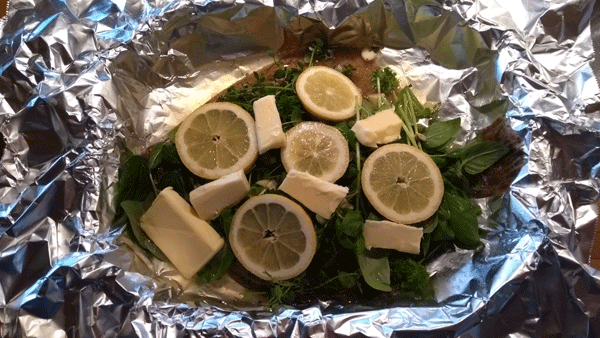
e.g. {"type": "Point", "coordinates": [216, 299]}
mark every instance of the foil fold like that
{"type": "Point", "coordinates": [80, 81]}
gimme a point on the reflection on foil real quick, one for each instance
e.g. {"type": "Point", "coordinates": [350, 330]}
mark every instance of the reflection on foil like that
{"type": "Point", "coordinates": [79, 80]}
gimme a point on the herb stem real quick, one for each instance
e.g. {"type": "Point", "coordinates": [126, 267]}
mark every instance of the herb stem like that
{"type": "Point", "coordinates": [411, 115]}
{"type": "Point", "coordinates": [400, 109]}
{"type": "Point", "coordinates": [312, 56]}
{"type": "Point", "coordinates": [156, 192]}
{"type": "Point", "coordinates": [358, 168]}
{"type": "Point", "coordinates": [332, 279]}
{"type": "Point", "coordinates": [279, 88]}
{"type": "Point", "coordinates": [379, 103]}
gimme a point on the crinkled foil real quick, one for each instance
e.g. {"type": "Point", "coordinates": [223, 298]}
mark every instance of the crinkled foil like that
{"type": "Point", "coordinates": [81, 80]}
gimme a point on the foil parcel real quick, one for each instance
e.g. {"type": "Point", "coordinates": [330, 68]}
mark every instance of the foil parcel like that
{"type": "Point", "coordinates": [82, 80]}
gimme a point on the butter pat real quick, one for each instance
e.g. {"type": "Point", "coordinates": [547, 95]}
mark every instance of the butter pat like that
{"type": "Point", "coordinates": [211, 198]}
{"type": "Point", "coordinates": [380, 128]}
{"type": "Point", "coordinates": [185, 239]}
{"type": "Point", "coordinates": [269, 132]}
{"type": "Point", "coordinates": [390, 235]}
{"type": "Point", "coordinates": [318, 195]}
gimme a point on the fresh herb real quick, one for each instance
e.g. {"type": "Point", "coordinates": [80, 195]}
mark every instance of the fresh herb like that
{"type": "Point", "coordinates": [347, 70]}
{"type": "Point", "coordinates": [134, 211]}
{"type": "Point", "coordinates": [480, 155]}
{"type": "Point", "coordinates": [384, 80]}
{"type": "Point", "coordinates": [283, 293]}
{"type": "Point", "coordinates": [462, 218]}
{"type": "Point", "coordinates": [375, 270]}
{"type": "Point", "coordinates": [317, 50]}
{"type": "Point", "coordinates": [217, 267]}
{"type": "Point", "coordinates": [140, 181]}
{"type": "Point", "coordinates": [441, 133]}
{"type": "Point", "coordinates": [410, 276]}
{"type": "Point", "coordinates": [282, 87]}
{"type": "Point", "coordinates": [164, 151]}
{"type": "Point", "coordinates": [348, 228]}
{"type": "Point", "coordinates": [410, 110]}
{"type": "Point", "coordinates": [134, 184]}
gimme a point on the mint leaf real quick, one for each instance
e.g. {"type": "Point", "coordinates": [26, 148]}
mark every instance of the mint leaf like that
{"type": "Point", "coordinates": [441, 133]}
{"type": "Point", "coordinates": [480, 155]}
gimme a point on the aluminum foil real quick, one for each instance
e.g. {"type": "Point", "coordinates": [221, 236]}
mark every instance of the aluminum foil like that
{"type": "Point", "coordinates": [81, 80]}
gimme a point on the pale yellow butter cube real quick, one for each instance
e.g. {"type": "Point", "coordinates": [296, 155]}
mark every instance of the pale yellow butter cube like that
{"type": "Point", "coordinates": [211, 198]}
{"type": "Point", "coordinates": [390, 235]}
{"type": "Point", "coordinates": [318, 195]}
{"type": "Point", "coordinates": [172, 224]}
{"type": "Point", "coordinates": [269, 132]}
{"type": "Point", "coordinates": [380, 128]}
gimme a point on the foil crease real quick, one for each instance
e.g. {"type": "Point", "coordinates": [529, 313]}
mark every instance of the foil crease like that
{"type": "Point", "coordinates": [81, 80]}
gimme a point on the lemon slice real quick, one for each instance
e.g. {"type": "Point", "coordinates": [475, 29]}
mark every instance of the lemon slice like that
{"type": "Point", "coordinates": [327, 93]}
{"type": "Point", "coordinates": [402, 183]}
{"type": "Point", "coordinates": [317, 149]}
{"type": "Point", "coordinates": [273, 237]}
{"type": "Point", "coordinates": [217, 139]}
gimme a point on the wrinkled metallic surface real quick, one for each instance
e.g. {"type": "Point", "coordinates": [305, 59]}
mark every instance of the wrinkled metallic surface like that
{"type": "Point", "coordinates": [81, 79]}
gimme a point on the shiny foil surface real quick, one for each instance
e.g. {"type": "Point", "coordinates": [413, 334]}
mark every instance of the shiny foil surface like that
{"type": "Point", "coordinates": [82, 80]}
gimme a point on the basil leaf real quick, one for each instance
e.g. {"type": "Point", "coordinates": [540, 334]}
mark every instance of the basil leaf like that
{"type": "Point", "coordinates": [480, 155]}
{"type": "Point", "coordinates": [463, 219]}
{"type": "Point", "coordinates": [175, 180]}
{"type": "Point", "coordinates": [352, 223]}
{"type": "Point", "coordinates": [347, 280]}
{"type": "Point", "coordinates": [425, 244]}
{"type": "Point", "coordinates": [155, 156]}
{"type": "Point", "coordinates": [134, 211]}
{"type": "Point", "coordinates": [440, 160]}
{"type": "Point", "coordinates": [348, 228]}
{"type": "Point", "coordinates": [163, 152]}
{"type": "Point", "coordinates": [430, 227]}
{"type": "Point", "coordinates": [375, 271]}
{"type": "Point", "coordinates": [225, 222]}
{"type": "Point", "coordinates": [173, 134]}
{"type": "Point", "coordinates": [217, 267]}
{"type": "Point", "coordinates": [134, 182]}
{"type": "Point", "coordinates": [344, 240]}
{"type": "Point", "coordinates": [441, 133]}
{"type": "Point", "coordinates": [367, 109]}
{"type": "Point", "coordinates": [442, 231]}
